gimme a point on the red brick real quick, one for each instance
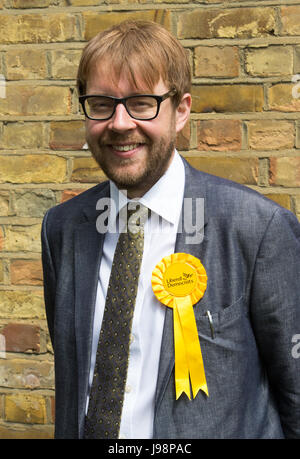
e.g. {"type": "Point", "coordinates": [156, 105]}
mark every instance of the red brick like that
{"type": "Point", "coordinates": [26, 272]}
{"type": "Point", "coordinates": [21, 337]}
{"type": "Point", "coordinates": [285, 171]}
{"type": "Point", "coordinates": [183, 138]}
{"type": "Point", "coordinates": [219, 135]}
{"type": "Point", "coordinates": [67, 135]}
{"type": "Point", "coordinates": [69, 194]}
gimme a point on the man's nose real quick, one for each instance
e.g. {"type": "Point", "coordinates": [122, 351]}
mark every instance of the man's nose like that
{"type": "Point", "coordinates": [121, 120]}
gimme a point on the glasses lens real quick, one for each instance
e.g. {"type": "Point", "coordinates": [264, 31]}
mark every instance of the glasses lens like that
{"type": "Point", "coordinates": [99, 107]}
{"type": "Point", "coordinates": [142, 107]}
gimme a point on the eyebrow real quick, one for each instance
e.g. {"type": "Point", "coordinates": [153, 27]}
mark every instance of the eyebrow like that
{"type": "Point", "coordinates": [110, 95]}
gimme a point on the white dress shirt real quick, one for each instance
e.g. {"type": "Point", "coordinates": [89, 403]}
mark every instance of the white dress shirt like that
{"type": "Point", "coordinates": [164, 199]}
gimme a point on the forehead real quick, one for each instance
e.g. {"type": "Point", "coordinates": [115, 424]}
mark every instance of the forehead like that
{"type": "Point", "coordinates": [104, 78]}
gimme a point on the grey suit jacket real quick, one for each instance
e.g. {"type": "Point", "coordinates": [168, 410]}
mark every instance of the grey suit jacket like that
{"type": "Point", "coordinates": [251, 253]}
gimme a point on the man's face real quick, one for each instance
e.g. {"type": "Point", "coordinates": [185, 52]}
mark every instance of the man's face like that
{"type": "Point", "coordinates": [134, 154]}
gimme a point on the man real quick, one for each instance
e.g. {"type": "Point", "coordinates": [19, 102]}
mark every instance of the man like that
{"type": "Point", "coordinates": [249, 315]}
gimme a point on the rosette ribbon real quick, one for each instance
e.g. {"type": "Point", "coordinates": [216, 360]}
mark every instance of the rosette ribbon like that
{"type": "Point", "coordinates": [179, 281]}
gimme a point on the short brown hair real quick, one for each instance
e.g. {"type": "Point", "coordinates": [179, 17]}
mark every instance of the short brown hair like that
{"type": "Point", "coordinates": [140, 48]}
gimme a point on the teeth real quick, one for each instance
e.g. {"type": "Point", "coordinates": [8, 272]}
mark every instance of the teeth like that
{"type": "Point", "coordinates": [125, 147]}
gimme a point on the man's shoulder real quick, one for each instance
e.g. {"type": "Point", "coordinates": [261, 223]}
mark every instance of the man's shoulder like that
{"type": "Point", "coordinates": [228, 198]}
{"type": "Point", "coordinates": [76, 208]}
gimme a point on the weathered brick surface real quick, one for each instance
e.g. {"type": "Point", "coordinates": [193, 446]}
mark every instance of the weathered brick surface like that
{"type": "Point", "coordinates": [37, 28]}
{"type": "Point", "coordinates": [245, 126]}
{"type": "Point", "coordinates": [21, 238]}
{"type": "Point", "coordinates": [219, 62]}
{"type": "Point", "coordinates": [271, 134]}
{"type": "Point", "coordinates": [68, 135]}
{"type": "Point", "coordinates": [281, 98]}
{"type": "Point", "coordinates": [26, 272]}
{"type": "Point", "coordinates": [32, 169]}
{"type": "Point", "coordinates": [1, 271]}
{"type": "Point", "coordinates": [219, 135]}
{"type": "Point", "coordinates": [227, 98]}
{"type": "Point", "coordinates": [95, 22]}
{"type": "Point", "coordinates": [13, 431]}
{"type": "Point", "coordinates": [25, 304]}
{"type": "Point", "coordinates": [290, 18]}
{"type": "Point", "coordinates": [19, 135]}
{"type": "Point", "coordinates": [283, 200]}
{"type": "Point", "coordinates": [86, 170]}
{"type": "Point", "coordinates": [26, 64]}
{"type": "Point", "coordinates": [26, 408]}
{"type": "Point", "coordinates": [184, 138]}
{"type": "Point", "coordinates": [270, 61]}
{"type": "Point", "coordinates": [35, 100]}
{"type": "Point", "coordinates": [64, 64]}
{"type": "Point", "coordinates": [32, 203]}
{"type": "Point", "coordinates": [4, 203]}
{"type": "Point", "coordinates": [297, 205]}
{"type": "Point", "coordinates": [226, 23]}
{"type": "Point", "coordinates": [285, 171]}
{"type": "Point", "coordinates": [21, 337]}
{"type": "Point", "coordinates": [241, 170]}
{"type": "Point", "coordinates": [25, 373]}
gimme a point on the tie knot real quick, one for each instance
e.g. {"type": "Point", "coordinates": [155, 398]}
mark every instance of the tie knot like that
{"type": "Point", "coordinates": [137, 215]}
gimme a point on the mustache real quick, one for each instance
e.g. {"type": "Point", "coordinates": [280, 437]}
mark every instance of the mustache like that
{"type": "Point", "coordinates": [117, 139]}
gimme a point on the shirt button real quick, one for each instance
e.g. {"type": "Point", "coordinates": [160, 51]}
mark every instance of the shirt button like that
{"type": "Point", "coordinates": [127, 389]}
{"type": "Point", "coordinates": [122, 437]}
{"type": "Point", "coordinates": [131, 338]}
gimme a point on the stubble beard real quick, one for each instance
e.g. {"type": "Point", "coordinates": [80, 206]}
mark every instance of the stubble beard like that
{"type": "Point", "coordinates": [149, 172]}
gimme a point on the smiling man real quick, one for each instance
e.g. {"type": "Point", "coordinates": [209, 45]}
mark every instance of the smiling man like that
{"type": "Point", "coordinates": [133, 152]}
{"type": "Point", "coordinates": [113, 339]}
{"type": "Point", "coordinates": [135, 141]}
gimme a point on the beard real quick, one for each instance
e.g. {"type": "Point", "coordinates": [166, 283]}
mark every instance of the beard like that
{"type": "Point", "coordinates": [136, 175]}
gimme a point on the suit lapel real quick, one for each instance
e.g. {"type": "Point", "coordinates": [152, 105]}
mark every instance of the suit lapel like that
{"type": "Point", "coordinates": [88, 252]}
{"type": "Point", "coordinates": [194, 188]}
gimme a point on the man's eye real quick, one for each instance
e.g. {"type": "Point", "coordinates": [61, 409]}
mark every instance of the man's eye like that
{"type": "Point", "coordinates": [99, 105]}
{"type": "Point", "coordinates": [140, 104]}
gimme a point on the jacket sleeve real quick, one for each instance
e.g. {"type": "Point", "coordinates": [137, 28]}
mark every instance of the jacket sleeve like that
{"type": "Point", "coordinates": [49, 278]}
{"type": "Point", "coordinates": [275, 314]}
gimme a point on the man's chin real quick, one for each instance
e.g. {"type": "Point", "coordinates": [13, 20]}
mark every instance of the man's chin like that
{"type": "Point", "coordinates": [127, 177]}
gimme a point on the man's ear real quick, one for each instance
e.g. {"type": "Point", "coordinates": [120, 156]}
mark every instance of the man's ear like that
{"type": "Point", "coordinates": [183, 111]}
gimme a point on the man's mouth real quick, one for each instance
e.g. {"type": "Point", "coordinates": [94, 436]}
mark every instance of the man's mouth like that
{"type": "Point", "coordinates": [125, 150]}
{"type": "Point", "coordinates": [130, 147]}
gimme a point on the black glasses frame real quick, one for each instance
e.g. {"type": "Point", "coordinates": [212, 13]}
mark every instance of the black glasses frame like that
{"type": "Point", "coordinates": [123, 100]}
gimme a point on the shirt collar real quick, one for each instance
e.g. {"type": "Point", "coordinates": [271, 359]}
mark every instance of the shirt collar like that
{"type": "Point", "coordinates": [166, 195]}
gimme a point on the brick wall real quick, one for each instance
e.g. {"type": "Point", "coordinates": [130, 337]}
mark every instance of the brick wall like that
{"type": "Point", "coordinates": [244, 126]}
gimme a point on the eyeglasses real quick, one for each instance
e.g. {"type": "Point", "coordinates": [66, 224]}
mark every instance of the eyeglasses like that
{"type": "Point", "coordinates": [141, 107]}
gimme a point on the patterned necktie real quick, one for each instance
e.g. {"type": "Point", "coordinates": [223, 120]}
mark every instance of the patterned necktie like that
{"type": "Point", "coordinates": [110, 374]}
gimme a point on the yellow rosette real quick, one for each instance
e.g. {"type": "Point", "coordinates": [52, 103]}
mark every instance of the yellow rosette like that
{"type": "Point", "coordinates": [179, 281]}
